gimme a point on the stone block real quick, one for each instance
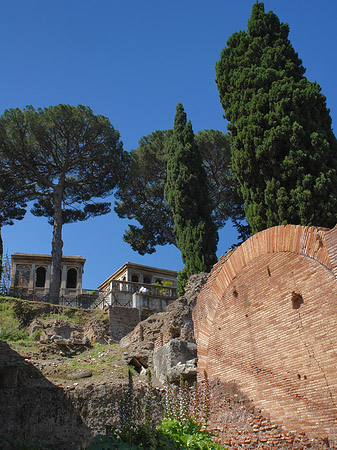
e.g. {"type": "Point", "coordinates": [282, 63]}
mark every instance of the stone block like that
{"type": "Point", "coordinates": [167, 357]}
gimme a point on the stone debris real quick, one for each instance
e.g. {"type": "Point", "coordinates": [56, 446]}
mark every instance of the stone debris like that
{"type": "Point", "coordinates": [174, 359]}
{"type": "Point", "coordinates": [159, 329]}
{"type": "Point", "coordinates": [79, 374]}
{"type": "Point", "coordinates": [64, 332]}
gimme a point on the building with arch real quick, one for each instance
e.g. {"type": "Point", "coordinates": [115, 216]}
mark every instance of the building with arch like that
{"type": "Point", "coordinates": [31, 275]}
{"type": "Point", "coordinates": [155, 288]}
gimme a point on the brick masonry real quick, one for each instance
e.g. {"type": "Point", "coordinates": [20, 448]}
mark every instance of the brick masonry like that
{"type": "Point", "coordinates": [266, 320]}
{"type": "Point", "coordinates": [122, 320]}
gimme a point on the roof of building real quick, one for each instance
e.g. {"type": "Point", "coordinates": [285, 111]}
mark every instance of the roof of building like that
{"type": "Point", "coordinates": [141, 267]}
{"type": "Point", "coordinates": [45, 258]}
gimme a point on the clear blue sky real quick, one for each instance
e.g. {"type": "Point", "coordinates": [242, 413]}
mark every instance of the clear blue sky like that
{"type": "Point", "coordinates": [133, 62]}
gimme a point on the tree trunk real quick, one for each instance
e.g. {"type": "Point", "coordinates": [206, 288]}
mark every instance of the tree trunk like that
{"type": "Point", "coordinates": [57, 245]}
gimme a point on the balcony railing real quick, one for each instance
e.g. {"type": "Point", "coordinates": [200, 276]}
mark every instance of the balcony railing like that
{"type": "Point", "coordinates": [151, 290]}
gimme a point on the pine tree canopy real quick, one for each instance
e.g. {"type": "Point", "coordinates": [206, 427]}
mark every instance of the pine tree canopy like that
{"type": "Point", "coordinates": [141, 196]}
{"type": "Point", "coordinates": [14, 194]}
{"type": "Point", "coordinates": [283, 148]}
{"type": "Point", "coordinates": [72, 158]}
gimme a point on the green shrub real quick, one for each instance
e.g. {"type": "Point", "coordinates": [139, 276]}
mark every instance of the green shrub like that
{"type": "Point", "coordinates": [181, 429]}
{"type": "Point", "coordinates": [9, 325]}
{"type": "Point", "coordinates": [188, 435]}
{"type": "Point", "coordinates": [24, 312]}
{"type": "Point", "coordinates": [142, 437]}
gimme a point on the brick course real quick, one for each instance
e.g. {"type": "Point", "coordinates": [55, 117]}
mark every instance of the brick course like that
{"type": "Point", "coordinates": [122, 320]}
{"type": "Point", "coordinates": [267, 321]}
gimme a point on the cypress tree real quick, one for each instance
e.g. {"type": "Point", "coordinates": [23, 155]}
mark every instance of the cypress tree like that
{"type": "Point", "coordinates": [283, 148]}
{"type": "Point", "coordinates": [187, 194]}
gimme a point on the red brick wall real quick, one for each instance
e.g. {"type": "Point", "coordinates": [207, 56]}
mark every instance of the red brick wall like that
{"type": "Point", "coordinates": [267, 320]}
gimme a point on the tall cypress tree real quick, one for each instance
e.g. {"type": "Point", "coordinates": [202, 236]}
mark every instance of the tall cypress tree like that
{"type": "Point", "coordinates": [284, 152]}
{"type": "Point", "coordinates": [187, 195]}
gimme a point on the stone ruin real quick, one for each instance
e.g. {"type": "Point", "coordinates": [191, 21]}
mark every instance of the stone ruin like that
{"type": "Point", "coordinates": [266, 322]}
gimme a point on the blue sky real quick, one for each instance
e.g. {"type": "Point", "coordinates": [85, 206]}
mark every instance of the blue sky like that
{"type": "Point", "coordinates": [133, 62]}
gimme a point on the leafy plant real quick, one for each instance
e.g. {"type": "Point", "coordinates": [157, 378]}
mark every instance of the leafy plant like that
{"type": "Point", "coordinates": [183, 403]}
{"type": "Point", "coordinates": [188, 434]}
{"type": "Point", "coordinates": [178, 431]}
{"type": "Point", "coordinates": [9, 325]}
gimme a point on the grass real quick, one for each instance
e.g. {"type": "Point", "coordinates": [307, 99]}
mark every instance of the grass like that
{"type": "Point", "coordinates": [10, 328]}
{"type": "Point", "coordinates": [25, 311]}
{"type": "Point", "coordinates": [17, 314]}
{"type": "Point", "coordinates": [74, 315]}
{"type": "Point", "coordinates": [97, 359]}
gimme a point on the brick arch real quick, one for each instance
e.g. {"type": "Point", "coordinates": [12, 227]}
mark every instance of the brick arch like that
{"type": "Point", "coordinates": [273, 300]}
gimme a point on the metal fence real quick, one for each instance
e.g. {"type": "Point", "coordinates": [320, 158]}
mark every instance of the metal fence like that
{"type": "Point", "coordinates": [90, 299]}
{"type": "Point", "coordinates": [80, 301]}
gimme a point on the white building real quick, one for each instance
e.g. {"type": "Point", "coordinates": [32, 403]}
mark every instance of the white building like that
{"type": "Point", "coordinates": [154, 288]}
{"type": "Point", "coordinates": [31, 275]}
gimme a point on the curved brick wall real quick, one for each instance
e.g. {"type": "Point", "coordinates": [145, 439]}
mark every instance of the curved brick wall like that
{"type": "Point", "coordinates": [267, 320]}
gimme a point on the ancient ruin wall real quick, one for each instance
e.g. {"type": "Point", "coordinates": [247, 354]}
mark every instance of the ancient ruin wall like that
{"type": "Point", "coordinates": [267, 320]}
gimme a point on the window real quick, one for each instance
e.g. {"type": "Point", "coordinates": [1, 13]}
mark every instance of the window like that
{"type": "Point", "coordinates": [40, 278]}
{"type": "Point", "coordinates": [72, 279]}
{"type": "Point", "coordinates": [22, 276]}
{"type": "Point", "coordinates": [135, 278]}
{"type": "Point", "coordinates": [147, 280]}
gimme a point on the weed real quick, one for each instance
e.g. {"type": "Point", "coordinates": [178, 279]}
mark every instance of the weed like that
{"type": "Point", "coordinates": [10, 330]}
{"type": "Point", "coordinates": [173, 433]}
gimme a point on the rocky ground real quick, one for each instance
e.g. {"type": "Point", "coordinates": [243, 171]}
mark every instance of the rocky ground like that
{"type": "Point", "coordinates": [66, 363]}
{"type": "Point", "coordinates": [71, 375]}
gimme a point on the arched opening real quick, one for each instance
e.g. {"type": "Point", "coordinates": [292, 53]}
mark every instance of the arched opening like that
{"type": "Point", "coordinates": [71, 279]}
{"type": "Point", "coordinates": [135, 278]}
{"type": "Point", "coordinates": [40, 278]}
{"type": "Point", "coordinates": [147, 280]}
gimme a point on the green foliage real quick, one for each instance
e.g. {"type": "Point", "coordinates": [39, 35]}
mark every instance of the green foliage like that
{"type": "Point", "coordinates": [283, 149]}
{"type": "Point", "coordinates": [23, 312]}
{"type": "Point", "coordinates": [187, 194]}
{"type": "Point", "coordinates": [70, 156]}
{"type": "Point", "coordinates": [141, 196]}
{"type": "Point", "coordinates": [170, 435]}
{"type": "Point", "coordinates": [10, 328]}
{"type": "Point", "coordinates": [101, 442]}
{"type": "Point", "coordinates": [188, 435]}
{"type": "Point", "coordinates": [142, 437]}
{"type": "Point", "coordinates": [183, 276]}
{"type": "Point", "coordinates": [184, 402]}
{"type": "Point", "coordinates": [14, 194]}
{"type": "Point", "coordinates": [179, 433]}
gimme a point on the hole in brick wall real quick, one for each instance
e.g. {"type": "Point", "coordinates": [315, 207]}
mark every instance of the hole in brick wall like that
{"type": "Point", "coordinates": [305, 377]}
{"type": "Point", "coordinates": [235, 293]}
{"type": "Point", "coordinates": [297, 300]}
{"type": "Point", "coordinates": [175, 332]}
{"type": "Point", "coordinates": [246, 315]}
{"type": "Point", "coordinates": [299, 376]}
{"type": "Point", "coordinates": [268, 270]}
